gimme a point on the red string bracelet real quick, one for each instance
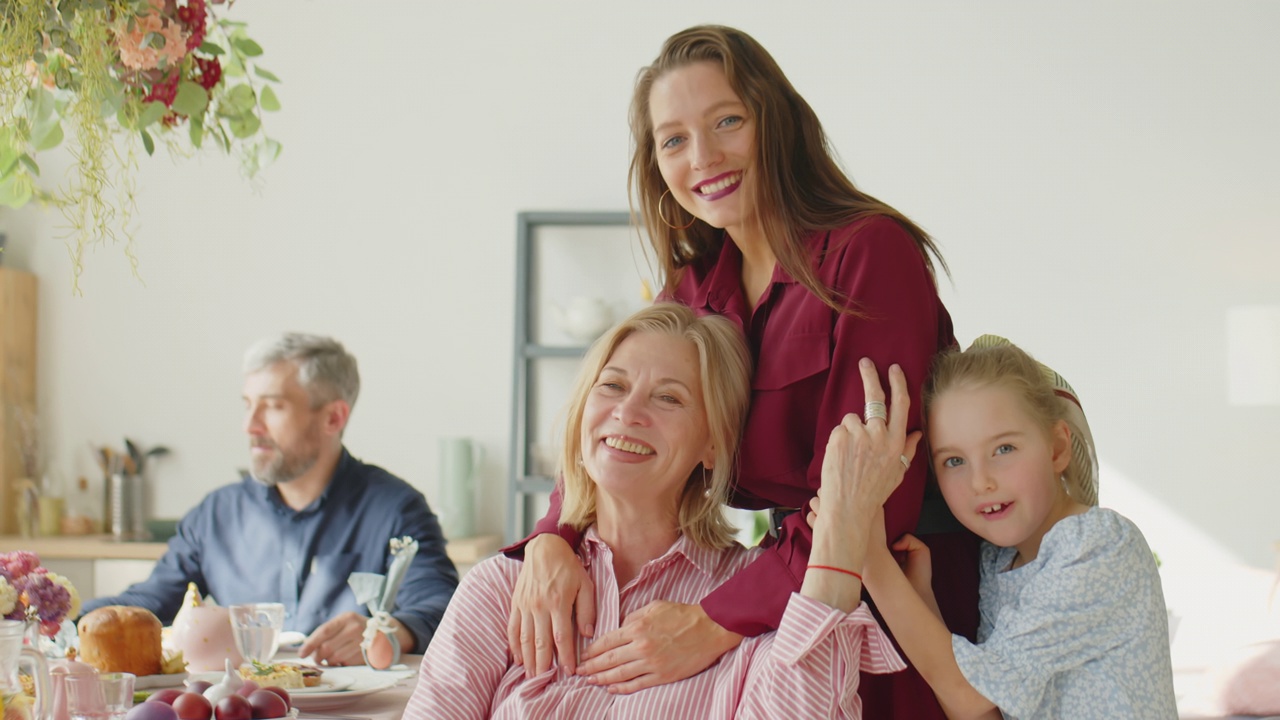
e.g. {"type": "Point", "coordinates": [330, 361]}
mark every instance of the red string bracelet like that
{"type": "Point", "coordinates": [836, 569]}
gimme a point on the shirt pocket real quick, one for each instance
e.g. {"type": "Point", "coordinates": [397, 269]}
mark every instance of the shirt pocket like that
{"type": "Point", "coordinates": [789, 359]}
{"type": "Point", "coordinates": [327, 581]}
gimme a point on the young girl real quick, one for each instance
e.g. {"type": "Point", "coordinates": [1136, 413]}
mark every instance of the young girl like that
{"type": "Point", "coordinates": [1073, 622]}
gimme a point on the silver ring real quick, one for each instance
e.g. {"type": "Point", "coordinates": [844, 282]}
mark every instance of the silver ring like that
{"type": "Point", "coordinates": [875, 409]}
{"type": "Point", "coordinates": [905, 462]}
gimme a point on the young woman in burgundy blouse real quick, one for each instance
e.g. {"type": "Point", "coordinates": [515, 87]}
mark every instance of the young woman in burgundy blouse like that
{"type": "Point", "coordinates": [751, 218]}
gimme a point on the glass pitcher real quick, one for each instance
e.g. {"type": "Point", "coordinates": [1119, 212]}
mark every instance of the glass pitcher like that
{"type": "Point", "coordinates": [12, 655]}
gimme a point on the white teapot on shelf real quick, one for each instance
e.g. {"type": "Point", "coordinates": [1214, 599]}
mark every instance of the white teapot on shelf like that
{"type": "Point", "coordinates": [583, 318]}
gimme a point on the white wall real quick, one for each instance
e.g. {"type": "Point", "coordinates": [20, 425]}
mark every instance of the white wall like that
{"type": "Point", "coordinates": [1102, 177]}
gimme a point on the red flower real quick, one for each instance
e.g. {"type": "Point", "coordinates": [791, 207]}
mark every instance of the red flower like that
{"type": "Point", "coordinates": [165, 90]}
{"type": "Point", "coordinates": [210, 72]}
{"type": "Point", "coordinates": [194, 15]}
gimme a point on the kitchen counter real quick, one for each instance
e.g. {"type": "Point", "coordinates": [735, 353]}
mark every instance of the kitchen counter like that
{"type": "Point", "coordinates": [99, 566]}
{"type": "Point", "coordinates": [467, 551]}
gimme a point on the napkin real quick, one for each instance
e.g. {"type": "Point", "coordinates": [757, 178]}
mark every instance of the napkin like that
{"type": "Point", "coordinates": [378, 593]}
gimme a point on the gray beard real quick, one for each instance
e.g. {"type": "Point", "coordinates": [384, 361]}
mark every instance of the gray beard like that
{"type": "Point", "coordinates": [285, 467]}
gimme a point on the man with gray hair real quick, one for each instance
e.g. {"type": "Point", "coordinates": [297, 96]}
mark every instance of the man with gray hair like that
{"type": "Point", "coordinates": [306, 516]}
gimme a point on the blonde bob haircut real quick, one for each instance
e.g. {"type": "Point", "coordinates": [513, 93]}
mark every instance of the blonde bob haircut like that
{"type": "Point", "coordinates": [1046, 396]}
{"type": "Point", "coordinates": [725, 369]}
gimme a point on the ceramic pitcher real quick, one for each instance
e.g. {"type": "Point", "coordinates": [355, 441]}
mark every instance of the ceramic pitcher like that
{"type": "Point", "coordinates": [13, 654]}
{"type": "Point", "coordinates": [459, 458]}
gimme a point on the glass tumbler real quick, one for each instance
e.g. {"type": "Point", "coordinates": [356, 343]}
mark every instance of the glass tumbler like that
{"type": "Point", "coordinates": [256, 628]}
{"type": "Point", "coordinates": [106, 696]}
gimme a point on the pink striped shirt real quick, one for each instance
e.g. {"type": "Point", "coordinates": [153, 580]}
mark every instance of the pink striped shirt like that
{"type": "Point", "coordinates": [809, 668]}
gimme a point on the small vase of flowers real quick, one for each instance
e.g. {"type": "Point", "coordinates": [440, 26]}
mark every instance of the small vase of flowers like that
{"type": "Point", "coordinates": [31, 593]}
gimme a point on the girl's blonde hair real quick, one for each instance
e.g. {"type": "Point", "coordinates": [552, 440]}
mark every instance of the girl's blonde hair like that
{"type": "Point", "coordinates": [799, 185]}
{"type": "Point", "coordinates": [725, 370]}
{"type": "Point", "coordinates": [1044, 394]}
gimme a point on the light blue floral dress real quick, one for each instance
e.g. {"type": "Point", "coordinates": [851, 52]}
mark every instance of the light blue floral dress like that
{"type": "Point", "coordinates": [1080, 632]}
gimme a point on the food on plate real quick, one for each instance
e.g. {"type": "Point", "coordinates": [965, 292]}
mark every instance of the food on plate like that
{"type": "Point", "coordinates": [202, 632]}
{"type": "Point", "coordinates": [118, 638]}
{"type": "Point", "coordinates": [173, 662]}
{"type": "Point", "coordinates": [282, 675]}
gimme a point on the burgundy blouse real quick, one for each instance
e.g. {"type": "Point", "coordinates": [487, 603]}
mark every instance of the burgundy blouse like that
{"type": "Point", "coordinates": [806, 378]}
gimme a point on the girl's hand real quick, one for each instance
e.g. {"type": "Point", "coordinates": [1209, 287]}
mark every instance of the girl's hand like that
{"type": "Point", "coordinates": [916, 564]}
{"type": "Point", "coordinates": [661, 642]}
{"type": "Point", "coordinates": [551, 586]}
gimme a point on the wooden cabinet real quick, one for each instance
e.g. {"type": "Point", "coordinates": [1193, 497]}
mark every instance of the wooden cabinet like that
{"type": "Point", "coordinates": [17, 382]}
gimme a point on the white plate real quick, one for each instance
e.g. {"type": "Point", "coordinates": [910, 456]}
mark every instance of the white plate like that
{"type": "Point", "coordinates": [327, 685]}
{"type": "Point", "coordinates": [365, 682]}
{"type": "Point", "coordinates": [150, 682]}
{"type": "Point", "coordinates": [291, 640]}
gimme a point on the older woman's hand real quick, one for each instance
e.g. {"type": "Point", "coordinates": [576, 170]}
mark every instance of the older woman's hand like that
{"type": "Point", "coordinates": [660, 643]}
{"type": "Point", "coordinates": [865, 461]}
{"type": "Point", "coordinates": [551, 586]}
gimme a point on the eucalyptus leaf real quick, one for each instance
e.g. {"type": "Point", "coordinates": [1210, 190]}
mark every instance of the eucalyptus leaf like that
{"type": "Point", "coordinates": [47, 135]}
{"type": "Point", "coordinates": [244, 126]}
{"type": "Point", "coordinates": [239, 100]}
{"type": "Point", "coordinates": [268, 152]}
{"type": "Point", "coordinates": [208, 47]}
{"type": "Point", "coordinates": [268, 100]}
{"type": "Point", "coordinates": [43, 103]}
{"type": "Point", "coordinates": [151, 114]}
{"type": "Point", "coordinates": [16, 191]}
{"type": "Point", "coordinates": [152, 40]}
{"type": "Point", "coordinates": [8, 160]}
{"type": "Point", "coordinates": [148, 143]}
{"type": "Point", "coordinates": [192, 99]}
{"type": "Point", "coordinates": [196, 131]}
{"type": "Point", "coordinates": [111, 104]}
{"type": "Point", "coordinates": [265, 74]}
{"type": "Point", "coordinates": [247, 47]}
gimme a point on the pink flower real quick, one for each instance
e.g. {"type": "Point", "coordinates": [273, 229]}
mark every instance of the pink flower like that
{"type": "Point", "coordinates": [41, 596]}
{"type": "Point", "coordinates": [135, 56]}
{"type": "Point", "coordinates": [19, 563]}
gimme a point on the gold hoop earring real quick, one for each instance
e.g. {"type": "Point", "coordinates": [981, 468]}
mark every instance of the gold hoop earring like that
{"type": "Point", "coordinates": [663, 216]}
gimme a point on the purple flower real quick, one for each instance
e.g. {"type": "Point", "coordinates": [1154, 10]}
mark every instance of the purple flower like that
{"type": "Point", "coordinates": [46, 599]}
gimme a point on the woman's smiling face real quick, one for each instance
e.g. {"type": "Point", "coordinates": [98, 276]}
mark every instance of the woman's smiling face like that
{"type": "Point", "coordinates": [644, 426]}
{"type": "Point", "coordinates": [705, 144]}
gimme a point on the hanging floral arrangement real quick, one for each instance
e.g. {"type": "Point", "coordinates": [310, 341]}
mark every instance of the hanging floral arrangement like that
{"type": "Point", "coordinates": [113, 76]}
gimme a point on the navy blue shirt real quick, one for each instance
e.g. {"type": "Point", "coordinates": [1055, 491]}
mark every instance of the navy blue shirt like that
{"type": "Point", "coordinates": [243, 544]}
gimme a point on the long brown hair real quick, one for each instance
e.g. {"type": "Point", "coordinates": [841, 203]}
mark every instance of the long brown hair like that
{"type": "Point", "coordinates": [799, 186]}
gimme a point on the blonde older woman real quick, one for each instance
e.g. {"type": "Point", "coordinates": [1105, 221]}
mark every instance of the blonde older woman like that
{"type": "Point", "coordinates": [649, 445]}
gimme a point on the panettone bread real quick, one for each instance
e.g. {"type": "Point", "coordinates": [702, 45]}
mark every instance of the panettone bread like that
{"type": "Point", "coordinates": [118, 638]}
